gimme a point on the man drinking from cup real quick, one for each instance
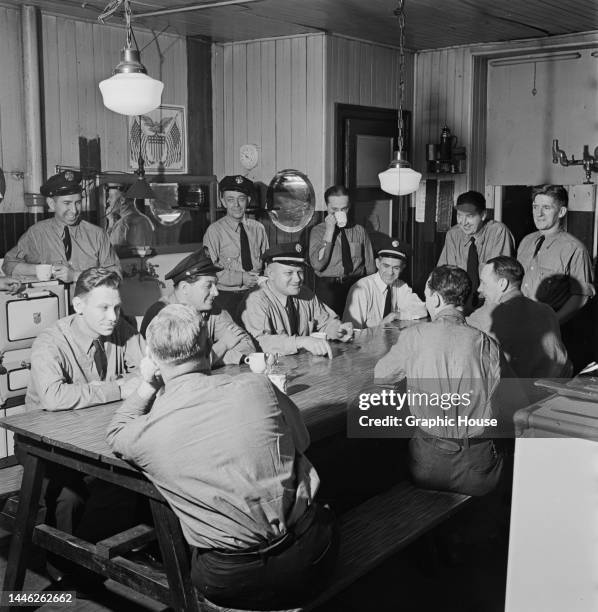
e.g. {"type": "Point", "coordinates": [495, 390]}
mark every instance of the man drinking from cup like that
{"type": "Point", "coordinates": [66, 241]}
{"type": "Point", "coordinates": [282, 313]}
{"type": "Point", "coordinates": [382, 297]}
{"type": "Point", "coordinates": [340, 252]}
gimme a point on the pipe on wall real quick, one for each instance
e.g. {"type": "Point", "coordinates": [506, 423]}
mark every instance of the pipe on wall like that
{"type": "Point", "coordinates": [32, 105]}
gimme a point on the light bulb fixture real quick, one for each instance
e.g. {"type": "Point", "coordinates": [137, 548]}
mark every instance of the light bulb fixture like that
{"type": "Point", "coordinates": [589, 162]}
{"type": "Point", "coordinates": [130, 91]}
{"type": "Point", "coordinates": [400, 179]}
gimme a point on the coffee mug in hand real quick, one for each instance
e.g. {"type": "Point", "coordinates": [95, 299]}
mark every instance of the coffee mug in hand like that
{"type": "Point", "coordinates": [257, 362]}
{"type": "Point", "coordinates": [43, 272]}
{"type": "Point", "coordinates": [341, 218]}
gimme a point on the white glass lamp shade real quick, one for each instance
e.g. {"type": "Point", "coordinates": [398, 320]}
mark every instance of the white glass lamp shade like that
{"type": "Point", "coordinates": [399, 181]}
{"type": "Point", "coordinates": [132, 93]}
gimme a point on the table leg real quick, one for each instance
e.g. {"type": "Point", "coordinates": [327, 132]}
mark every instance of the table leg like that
{"type": "Point", "coordinates": [175, 557]}
{"type": "Point", "coordinates": [20, 543]}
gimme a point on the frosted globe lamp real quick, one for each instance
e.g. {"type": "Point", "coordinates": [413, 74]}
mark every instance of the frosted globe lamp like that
{"type": "Point", "coordinates": [130, 91]}
{"type": "Point", "coordinates": [399, 179]}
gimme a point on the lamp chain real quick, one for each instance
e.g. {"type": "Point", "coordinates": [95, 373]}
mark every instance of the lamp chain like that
{"type": "Point", "coordinates": [111, 8]}
{"type": "Point", "coordinates": [399, 12]}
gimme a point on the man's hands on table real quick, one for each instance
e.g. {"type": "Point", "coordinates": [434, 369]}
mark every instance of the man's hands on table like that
{"type": "Point", "coordinates": [316, 346]}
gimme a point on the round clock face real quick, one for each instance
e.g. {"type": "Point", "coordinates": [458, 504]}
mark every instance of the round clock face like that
{"type": "Point", "coordinates": [249, 156]}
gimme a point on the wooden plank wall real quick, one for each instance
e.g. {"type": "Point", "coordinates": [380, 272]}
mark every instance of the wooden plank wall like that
{"type": "Point", "coordinates": [270, 93]}
{"type": "Point", "coordinates": [12, 140]}
{"type": "Point", "coordinates": [364, 73]}
{"type": "Point", "coordinates": [77, 55]}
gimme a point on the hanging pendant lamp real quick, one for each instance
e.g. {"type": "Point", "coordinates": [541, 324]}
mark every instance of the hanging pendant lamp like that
{"type": "Point", "coordinates": [130, 91]}
{"type": "Point", "coordinates": [400, 179]}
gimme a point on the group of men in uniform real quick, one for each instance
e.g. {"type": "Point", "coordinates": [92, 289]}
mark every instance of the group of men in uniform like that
{"type": "Point", "coordinates": [490, 314]}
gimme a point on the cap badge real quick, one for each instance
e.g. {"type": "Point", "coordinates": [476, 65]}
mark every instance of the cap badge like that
{"type": "Point", "coordinates": [395, 243]}
{"type": "Point", "coordinates": [298, 248]}
{"type": "Point", "coordinates": [69, 176]}
{"type": "Point", "coordinates": [238, 180]}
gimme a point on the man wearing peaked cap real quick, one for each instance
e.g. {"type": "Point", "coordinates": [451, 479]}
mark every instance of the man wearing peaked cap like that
{"type": "Point", "coordinates": [282, 313]}
{"type": "Point", "coordinates": [66, 241]}
{"type": "Point", "coordinates": [194, 279]}
{"type": "Point", "coordinates": [474, 240]}
{"type": "Point", "coordinates": [382, 297]}
{"type": "Point", "coordinates": [236, 243]}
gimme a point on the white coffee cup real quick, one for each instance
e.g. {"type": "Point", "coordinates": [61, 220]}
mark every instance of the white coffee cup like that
{"type": "Point", "coordinates": [257, 362]}
{"type": "Point", "coordinates": [320, 335]}
{"type": "Point", "coordinates": [341, 218]}
{"type": "Point", "coordinates": [43, 272]}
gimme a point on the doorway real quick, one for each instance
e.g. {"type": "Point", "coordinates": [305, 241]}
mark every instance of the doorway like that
{"type": "Point", "coordinates": [366, 138]}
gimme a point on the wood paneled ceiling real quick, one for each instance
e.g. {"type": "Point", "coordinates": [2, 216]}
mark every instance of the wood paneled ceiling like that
{"type": "Point", "coordinates": [430, 23]}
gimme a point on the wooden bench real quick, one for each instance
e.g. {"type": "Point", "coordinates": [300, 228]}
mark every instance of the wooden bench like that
{"type": "Point", "coordinates": [369, 534]}
{"type": "Point", "coordinates": [377, 529]}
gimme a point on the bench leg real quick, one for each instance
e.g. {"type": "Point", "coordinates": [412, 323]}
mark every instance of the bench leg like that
{"type": "Point", "coordinates": [20, 543]}
{"type": "Point", "coordinates": [175, 557]}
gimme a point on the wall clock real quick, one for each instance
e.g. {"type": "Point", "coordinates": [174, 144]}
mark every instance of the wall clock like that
{"type": "Point", "coordinates": [249, 156]}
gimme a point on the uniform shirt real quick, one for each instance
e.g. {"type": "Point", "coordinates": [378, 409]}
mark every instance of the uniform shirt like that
{"type": "Point", "coordinates": [223, 332]}
{"type": "Point", "coordinates": [265, 318]}
{"type": "Point", "coordinates": [331, 265]}
{"type": "Point", "coordinates": [63, 372]}
{"type": "Point", "coordinates": [528, 333]}
{"type": "Point", "coordinates": [367, 299]}
{"type": "Point", "coordinates": [224, 247]}
{"type": "Point", "coordinates": [562, 268]}
{"type": "Point", "coordinates": [491, 240]}
{"type": "Point", "coordinates": [42, 243]}
{"type": "Point", "coordinates": [446, 356]}
{"type": "Point", "coordinates": [226, 452]}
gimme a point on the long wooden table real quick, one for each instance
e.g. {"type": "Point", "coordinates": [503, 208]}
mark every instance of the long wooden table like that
{"type": "Point", "coordinates": [322, 388]}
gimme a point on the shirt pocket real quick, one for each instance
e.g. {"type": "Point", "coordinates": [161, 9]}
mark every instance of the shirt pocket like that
{"type": "Point", "coordinates": [229, 257]}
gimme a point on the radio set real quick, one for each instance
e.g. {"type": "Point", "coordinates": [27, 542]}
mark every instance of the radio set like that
{"type": "Point", "coordinates": [22, 318]}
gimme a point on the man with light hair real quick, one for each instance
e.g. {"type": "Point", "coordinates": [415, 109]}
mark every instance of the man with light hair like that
{"type": "Point", "coordinates": [227, 453]}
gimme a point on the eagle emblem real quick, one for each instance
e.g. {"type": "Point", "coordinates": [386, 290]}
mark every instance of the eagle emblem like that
{"type": "Point", "coordinates": [159, 143]}
{"type": "Point", "coordinates": [238, 180]}
{"type": "Point", "coordinates": [395, 243]}
{"type": "Point", "coordinates": [37, 317]}
{"type": "Point", "coordinates": [298, 248]}
{"type": "Point", "coordinates": [69, 176]}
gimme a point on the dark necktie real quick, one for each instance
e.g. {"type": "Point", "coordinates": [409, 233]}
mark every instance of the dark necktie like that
{"type": "Point", "coordinates": [68, 245]}
{"type": "Point", "coordinates": [346, 253]}
{"type": "Point", "coordinates": [473, 271]}
{"type": "Point", "coordinates": [245, 252]}
{"type": "Point", "coordinates": [539, 244]}
{"type": "Point", "coordinates": [293, 318]}
{"type": "Point", "coordinates": [100, 358]}
{"type": "Point", "coordinates": [388, 301]}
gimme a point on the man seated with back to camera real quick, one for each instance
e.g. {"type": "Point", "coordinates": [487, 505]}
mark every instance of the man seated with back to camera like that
{"type": "Point", "coordinates": [448, 356]}
{"type": "Point", "coordinates": [195, 279]}
{"type": "Point", "coordinates": [282, 313]}
{"type": "Point", "coordinates": [237, 477]}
